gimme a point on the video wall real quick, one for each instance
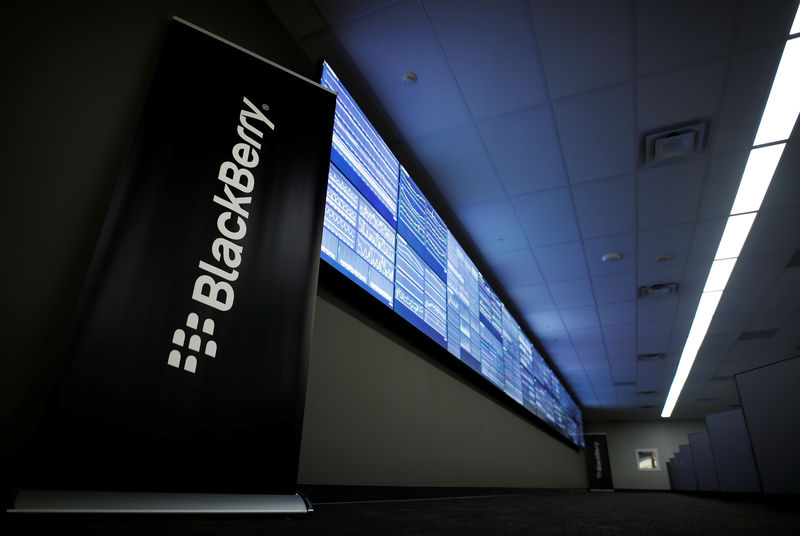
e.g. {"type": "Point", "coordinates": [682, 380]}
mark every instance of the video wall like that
{"type": "Point", "coordinates": [382, 233]}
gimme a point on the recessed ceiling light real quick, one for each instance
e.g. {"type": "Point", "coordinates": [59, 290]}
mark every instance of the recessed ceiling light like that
{"type": "Point", "coordinates": [611, 257]}
{"type": "Point", "coordinates": [410, 79]}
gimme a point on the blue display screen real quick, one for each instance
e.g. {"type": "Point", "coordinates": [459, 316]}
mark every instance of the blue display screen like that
{"type": "Point", "coordinates": [463, 307]}
{"type": "Point", "coordinates": [382, 232]}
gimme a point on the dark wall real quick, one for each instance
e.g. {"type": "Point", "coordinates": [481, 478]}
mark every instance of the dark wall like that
{"type": "Point", "coordinates": [75, 76]}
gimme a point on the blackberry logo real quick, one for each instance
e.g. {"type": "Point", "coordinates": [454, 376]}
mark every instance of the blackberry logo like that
{"type": "Point", "coordinates": [195, 342]}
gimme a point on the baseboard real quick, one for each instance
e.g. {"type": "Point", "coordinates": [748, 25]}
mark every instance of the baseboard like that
{"type": "Point", "coordinates": [330, 493]}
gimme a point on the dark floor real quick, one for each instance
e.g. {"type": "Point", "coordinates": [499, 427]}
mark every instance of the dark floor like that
{"type": "Point", "coordinates": [550, 513]}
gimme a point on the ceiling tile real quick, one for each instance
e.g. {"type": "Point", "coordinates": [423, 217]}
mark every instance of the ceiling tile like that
{"type": "Point", "coordinates": [758, 270]}
{"type": "Point", "coordinates": [680, 331]}
{"type": "Point", "coordinates": [774, 230]}
{"type": "Point", "coordinates": [728, 323]}
{"type": "Point", "coordinates": [764, 22]}
{"type": "Point", "coordinates": [606, 206]}
{"type": "Point", "coordinates": [785, 296]}
{"type": "Point", "coordinates": [670, 194]}
{"type": "Point", "coordinates": [532, 298]}
{"type": "Point", "coordinates": [784, 190]}
{"type": "Point", "coordinates": [621, 333]}
{"type": "Point", "coordinates": [561, 262]}
{"type": "Point", "coordinates": [591, 351]}
{"type": "Point", "coordinates": [547, 326]}
{"type": "Point", "coordinates": [493, 226]}
{"type": "Point", "coordinates": [678, 96]}
{"type": "Point", "coordinates": [694, 278]}
{"type": "Point", "coordinates": [625, 244]}
{"type": "Point", "coordinates": [525, 149]}
{"type": "Point", "coordinates": [586, 336]}
{"type": "Point", "coordinates": [658, 330]}
{"type": "Point", "coordinates": [687, 305]}
{"type": "Point", "coordinates": [458, 162]}
{"type": "Point", "coordinates": [563, 356]}
{"type": "Point", "coordinates": [724, 175]}
{"type": "Point", "coordinates": [300, 18]}
{"type": "Point", "coordinates": [741, 300]}
{"type": "Point", "coordinates": [389, 42]}
{"type": "Point", "coordinates": [615, 287]}
{"type": "Point", "coordinates": [515, 268]}
{"type": "Point", "coordinates": [597, 132]}
{"type": "Point", "coordinates": [612, 314]}
{"type": "Point", "coordinates": [721, 340]}
{"type": "Point", "coordinates": [336, 11]}
{"type": "Point", "coordinates": [665, 274]}
{"type": "Point", "coordinates": [648, 375]}
{"type": "Point", "coordinates": [574, 293]}
{"type": "Point", "coordinates": [789, 275]}
{"type": "Point", "coordinates": [680, 32]}
{"type": "Point", "coordinates": [623, 374]}
{"type": "Point", "coordinates": [707, 234]}
{"type": "Point", "coordinates": [621, 349]}
{"type": "Point", "coordinates": [661, 308]}
{"type": "Point", "coordinates": [580, 317]}
{"type": "Point", "coordinates": [495, 75]}
{"type": "Point", "coordinates": [648, 345]}
{"type": "Point", "coordinates": [673, 240]}
{"type": "Point", "coordinates": [749, 79]}
{"type": "Point", "coordinates": [547, 217]}
{"type": "Point", "coordinates": [584, 45]}
{"type": "Point", "coordinates": [769, 319]}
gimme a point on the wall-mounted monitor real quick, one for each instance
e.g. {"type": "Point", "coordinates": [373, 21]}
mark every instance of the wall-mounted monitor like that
{"type": "Point", "coordinates": [383, 233]}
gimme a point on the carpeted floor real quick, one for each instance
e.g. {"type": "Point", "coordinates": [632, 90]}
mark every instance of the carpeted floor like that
{"type": "Point", "coordinates": [551, 513]}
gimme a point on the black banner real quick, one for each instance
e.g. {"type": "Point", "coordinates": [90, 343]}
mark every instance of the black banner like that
{"type": "Point", "coordinates": [598, 467]}
{"type": "Point", "coordinates": [186, 369]}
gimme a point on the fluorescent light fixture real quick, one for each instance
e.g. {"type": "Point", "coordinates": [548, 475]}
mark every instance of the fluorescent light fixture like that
{"type": "Point", "coordinates": [783, 105]}
{"type": "Point", "coordinates": [702, 319]}
{"type": "Point", "coordinates": [734, 236]}
{"type": "Point", "coordinates": [777, 122]}
{"type": "Point", "coordinates": [718, 276]}
{"type": "Point", "coordinates": [758, 174]}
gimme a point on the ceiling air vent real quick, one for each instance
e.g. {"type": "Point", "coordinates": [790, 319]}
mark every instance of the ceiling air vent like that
{"type": "Point", "coordinates": [676, 142]}
{"type": "Point", "coordinates": [647, 392]}
{"type": "Point", "coordinates": [648, 406]}
{"type": "Point", "coordinates": [659, 289]}
{"type": "Point", "coordinates": [756, 334]}
{"type": "Point", "coordinates": [650, 357]}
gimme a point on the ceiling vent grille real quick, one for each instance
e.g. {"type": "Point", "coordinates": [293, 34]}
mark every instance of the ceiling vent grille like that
{"type": "Point", "coordinates": [680, 141]}
{"type": "Point", "coordinates": [650, 357]}
{"type": "Point", "coordinates": [659, 289]}
{"type": "Point", "coordinates": [756, 334]}
{"type": "Point", "coordinates": [647, 393]}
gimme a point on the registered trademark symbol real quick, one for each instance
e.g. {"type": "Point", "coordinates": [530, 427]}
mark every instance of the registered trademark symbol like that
{"type": "Point", "coordinates": [265, 107]}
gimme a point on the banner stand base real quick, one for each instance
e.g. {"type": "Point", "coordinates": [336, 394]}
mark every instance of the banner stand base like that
{"type": "Point", "coordinates": [116, 502]}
